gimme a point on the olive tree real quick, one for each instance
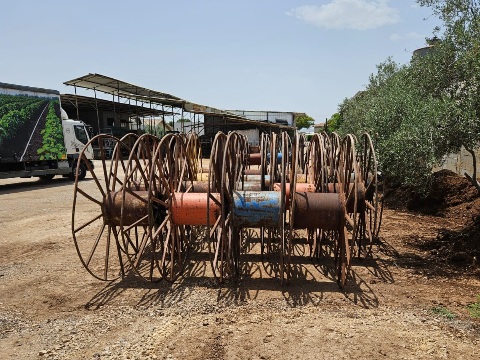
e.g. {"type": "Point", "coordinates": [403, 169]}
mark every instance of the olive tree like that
{"type": "Point", "coordinates": [457, 71]}
{"type": "Point", "coordinates": [423, 110]}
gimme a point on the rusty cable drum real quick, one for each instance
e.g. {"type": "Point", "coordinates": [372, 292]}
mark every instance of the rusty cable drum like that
{"type": "Point", "coordinates": [324, 214]}
{"type": "Point", "coordinates": [171, 173]}
{"type": "Point", "coordinates": [372, 203]}
{"type": "Point", "coordinates": [348, 174]}
{"type": "Point", "coordinates": [145, 201]}
{"type": "Point", "coordinates": [96, 234]}
{"type": "Point", "coordinates": [225, 173]}
{"type": "Point", "coordinates": [139, 248]}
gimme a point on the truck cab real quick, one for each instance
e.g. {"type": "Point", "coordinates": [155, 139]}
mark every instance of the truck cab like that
{"type": "Point", "coordinates": [76, 137]}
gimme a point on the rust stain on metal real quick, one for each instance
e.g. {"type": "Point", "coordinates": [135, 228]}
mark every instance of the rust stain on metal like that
{"type": "Point", "coordinates": [253, 172]}
{"type": "Point", "coordinates": [200, 186]}
{"type": "Point", "coordinates": [319, 211]}
{"type": "Point", "coordinates": [135, 208]}
{"type": "Point", "coordinates": [255, 159]}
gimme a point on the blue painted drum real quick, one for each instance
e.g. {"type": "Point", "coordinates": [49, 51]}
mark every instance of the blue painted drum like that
{"type": "Point", "coordinates": [256, 208]}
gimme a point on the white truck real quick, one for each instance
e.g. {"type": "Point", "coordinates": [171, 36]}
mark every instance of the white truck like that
{"type": "Point", "coordinates": [36, 138]}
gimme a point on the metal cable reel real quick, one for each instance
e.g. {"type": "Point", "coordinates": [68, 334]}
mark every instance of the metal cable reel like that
{"type": "Point", "coordinates": [224, 176]}
{"type": "Point", "coordinates": [266, 210]}
{"type": "Point", "coordinates": [134, 208]}
{"type": "Point", "coordinates": [272, 152]}
{"type": "Point", "coordinates": [325, 213]}
{"type": "Point", "coordinates": [317, 181]}
{"type": "Point", "coordinates": [193, 151]}
{"type": "Point", "coordinates": [371, 217]}
{"type": "Point", "coordinates": [171, 176]}
{"type": "Point", "coordinates": [333, 146]}
{"type": "Point", "coordinates": [302, 152]}
{"type": "Point", "coordinates": [352, 188]}
{"type": "Point", "coordinates": [96, 233]}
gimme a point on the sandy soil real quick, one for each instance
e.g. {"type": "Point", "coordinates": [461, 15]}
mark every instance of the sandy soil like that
{"type": "Point", "coordinates": [50, 307]}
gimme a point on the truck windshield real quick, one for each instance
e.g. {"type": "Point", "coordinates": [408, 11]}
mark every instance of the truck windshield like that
{"type": "Point", "coordinates": [81, 134]}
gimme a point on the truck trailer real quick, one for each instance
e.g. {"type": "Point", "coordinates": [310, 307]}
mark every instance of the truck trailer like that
{"type": "Point", "coordinates": [36, 137]}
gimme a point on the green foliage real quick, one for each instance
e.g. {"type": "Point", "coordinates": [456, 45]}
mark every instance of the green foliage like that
{"type": "Point", "coordinates": [423, 110]}
{"type": "Point", "coordinates": [304, 122]}
{"type": "Point", "coordinates": [52, 135]}
{"type": "Point", "coordinates": [443, 311]}
{"type": "Point", "coordinates": [333, 124]}
{"type": "Point", "coordinates": [156, 130]}
{"type": "Point", "coordinates": [474, 309]}
{"type": "Point", "coordinates": [15, 111]}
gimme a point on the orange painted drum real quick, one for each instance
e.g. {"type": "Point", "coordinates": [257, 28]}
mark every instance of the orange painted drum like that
{"type": "Point", "coordinates": [191, 209]}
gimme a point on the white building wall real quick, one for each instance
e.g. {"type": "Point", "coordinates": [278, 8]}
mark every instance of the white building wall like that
{"type": "Point", "coordinates": [270, 116]}
{"type": "Point", "coordinates": [461, 162]}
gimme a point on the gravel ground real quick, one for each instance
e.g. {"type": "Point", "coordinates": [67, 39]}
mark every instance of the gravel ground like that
{"type": "Point", "coordinates": [51, 308]}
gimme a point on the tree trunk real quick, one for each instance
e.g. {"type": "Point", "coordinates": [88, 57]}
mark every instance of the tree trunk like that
{"type": "Point", "coordinates": [473, 178]}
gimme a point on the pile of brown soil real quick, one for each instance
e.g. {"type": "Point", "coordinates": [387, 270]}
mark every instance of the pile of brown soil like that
{"type": "Point", "coordinates": [448, 189]}
{"type": "Point", "coordinates": [453, 198]}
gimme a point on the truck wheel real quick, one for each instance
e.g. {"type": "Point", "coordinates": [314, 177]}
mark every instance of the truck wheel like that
{"type": "Point", "coordinates": [82, 171]}
{"type": "Point", "coordinates": [47, 177]}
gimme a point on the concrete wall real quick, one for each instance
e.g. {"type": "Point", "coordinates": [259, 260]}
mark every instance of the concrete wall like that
{"type": "Point", "coordinates": [461, 162]}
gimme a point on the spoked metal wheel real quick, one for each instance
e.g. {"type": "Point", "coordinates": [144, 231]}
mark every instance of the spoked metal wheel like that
{"type": "Point", "coordinates": [224, 177]}
{"type": "Point", "coordinates": [333, 147]}
{"type": "Point", "coordinates": [278, 245]}
{"type": "Point", "coordinates": [350, 188]}
{"type": "Point", "coordinates": [171, 172]}
{"type": "Point", "coordinates": [317, 173]}
{"type": "Point", "coordinates": [264, 184]}
{"type": "Point", "coordinates": [287, 201]}
{"type": "Point", "coordinates": [370, 218]}
{"type": "Point", "coordinates": [95, 219]}
{"type": "Point", "coordinates": [194, 151]}
{"type": "Point", "coordinates": [136, 242]}
{"type": "Point", "coordinates": [317, 168]}
{"type": "Point", "coordinates": [302, 152]}
{"type": "Point", "coordinates": [273, 168]}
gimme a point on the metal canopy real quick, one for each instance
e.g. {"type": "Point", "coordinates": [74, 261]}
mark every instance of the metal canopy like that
{"type": "Point", "coordinates": [123, 89]}
{"type": "Point", "coordinates": [126, 90]}
{"type": "Point", "coordinates": [90, 103]}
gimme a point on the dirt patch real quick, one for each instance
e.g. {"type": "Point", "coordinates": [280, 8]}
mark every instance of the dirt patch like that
{"type": "Point", "coordinates": [51, 308]}
{"type": "Point", "coordinates": [455, 207]}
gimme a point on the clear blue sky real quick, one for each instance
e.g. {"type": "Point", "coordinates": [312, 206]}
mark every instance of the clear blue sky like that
{"type": "Point", "coordinates": [303, 55]}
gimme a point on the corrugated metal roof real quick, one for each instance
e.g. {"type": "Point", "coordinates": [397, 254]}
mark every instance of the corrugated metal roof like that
{"type": "Point", "coordinates": [86, 102]}
{"type": "Point", "coordinates": [121, 88]}
{"type": "Point", "coordinates": [126, 90]}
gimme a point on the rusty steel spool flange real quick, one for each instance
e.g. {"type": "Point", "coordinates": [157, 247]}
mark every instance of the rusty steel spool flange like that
{"type": "Point", "coordinates": [95, 230]}
{"type": "Point", "coordinates": [135, 209]}
{"type": "Point", "coordinates": [171, 173]}
{"type": "Point", "coordinates": [372, 202]}
{"type": "Point", "coordinates": [225, 174]}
